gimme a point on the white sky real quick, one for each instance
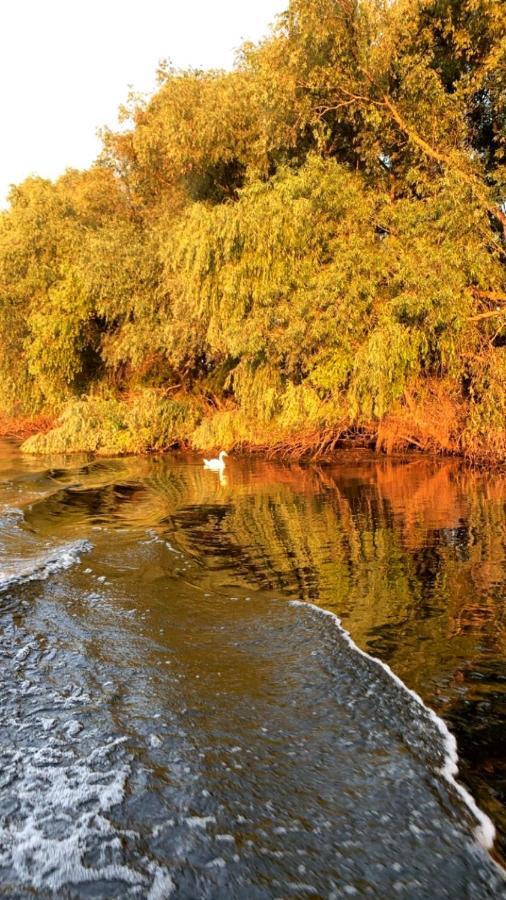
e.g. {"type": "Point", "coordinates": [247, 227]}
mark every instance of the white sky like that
{"type": "Point", "coordinates": [67, 65]}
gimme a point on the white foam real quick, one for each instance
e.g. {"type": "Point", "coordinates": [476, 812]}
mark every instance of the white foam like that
{"type": "Point", "coordinates": [73, 728]}
{"type": "Point", "coordinates": [301, 888]}
{"type": "Point", "coordinates": [218, 863]}
{"type": "Point", "coordinates": [485, 830]}
{"type": "Point", "coordinates": [200, 821]}
{"type": "Point", "coordinates": [162, 887]}
{"type": "Point", "coordinates": [52, 785]}
{"type": "Point", "coordinates": [47, 724]}
{"type": "Point", "coordinates": [45, 564]}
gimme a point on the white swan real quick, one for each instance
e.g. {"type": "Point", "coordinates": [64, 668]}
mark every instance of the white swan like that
{"type": "Point", "coordinates": [216, 464]}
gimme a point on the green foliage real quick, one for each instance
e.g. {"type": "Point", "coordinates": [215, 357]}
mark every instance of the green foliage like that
{"type": "Point", "coordinates": [300, 245]}
{"type": "Point", "coordinates": [227, 428]}
{"type": "Point", "coordinates": [254, 274]}
{"type": "Point", "coordinates": [389, 358]}
{"type": "Point", "coordinates": [487, 413]}
{"type": "Point", "coordinates": [110, 427]}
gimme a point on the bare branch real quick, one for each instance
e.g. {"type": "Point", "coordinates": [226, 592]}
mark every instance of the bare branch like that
{"type": "Point", "coordinates": [487, 315]}
{"type": "Point", "coordinates": [493, 296]}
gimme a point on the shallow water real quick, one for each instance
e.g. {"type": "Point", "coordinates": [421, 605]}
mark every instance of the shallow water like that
{"type": "Point", "coordinates": [172, 725]}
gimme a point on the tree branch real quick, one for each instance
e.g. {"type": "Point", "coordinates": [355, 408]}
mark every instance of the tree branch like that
{"type": "Point", "coordinates": [487, 315]}
{"type": "Point", "coordinates": [413, 135]}
{"type": "Point", "coordinates": [493, 296]}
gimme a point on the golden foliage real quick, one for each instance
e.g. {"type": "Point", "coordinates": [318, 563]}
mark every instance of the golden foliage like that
{"type": "Point", "coordinates": [308, 249]}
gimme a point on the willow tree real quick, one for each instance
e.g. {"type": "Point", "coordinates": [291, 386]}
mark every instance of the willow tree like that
{"type": "Point", "coordinates": [311, 241]}
{"type": "Point", "coordinates": [344, 297]}
{"type": "Point", "coordinates": [397, 89]}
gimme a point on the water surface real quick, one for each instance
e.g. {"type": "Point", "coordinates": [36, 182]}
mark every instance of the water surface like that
{"type": "Point", "coordinates": [172, 725]}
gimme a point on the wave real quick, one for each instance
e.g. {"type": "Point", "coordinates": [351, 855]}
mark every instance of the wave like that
{"type": "Point", "coordinates": [41, 566]}
{"type": "Point", "coordinates": [484, 830]}
{"type": "Point", "coordinates": [10, 514]}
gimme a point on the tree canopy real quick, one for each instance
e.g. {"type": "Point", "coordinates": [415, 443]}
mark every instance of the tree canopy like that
{"type": "Point", "coordinates": [306, 249]}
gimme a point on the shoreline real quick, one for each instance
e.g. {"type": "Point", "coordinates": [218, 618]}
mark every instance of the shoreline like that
{"type": "Point", "coordinates": [150, 423]}
{"type": "Point", "coordinates": [20, 429]}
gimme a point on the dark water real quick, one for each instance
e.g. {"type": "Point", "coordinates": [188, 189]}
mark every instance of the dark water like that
{"type": "Point", "coordinates": [171, 725]}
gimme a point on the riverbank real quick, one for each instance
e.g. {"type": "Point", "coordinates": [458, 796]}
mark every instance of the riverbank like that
{"type": "Point", "coordinates": [153, 421]}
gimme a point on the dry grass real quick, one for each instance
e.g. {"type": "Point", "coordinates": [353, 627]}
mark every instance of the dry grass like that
{"type": "Point", "coordinates": [22, 427]}
{"type": "Point", "coordinates": [430, 418]}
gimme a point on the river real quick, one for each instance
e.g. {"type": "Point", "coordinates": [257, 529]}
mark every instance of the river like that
{"type": "Point", "coordinates": [182, 714]}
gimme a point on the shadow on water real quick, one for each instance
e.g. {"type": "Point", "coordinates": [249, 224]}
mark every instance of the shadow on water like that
{"type": "Point", "coordinates": [410, 555]}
